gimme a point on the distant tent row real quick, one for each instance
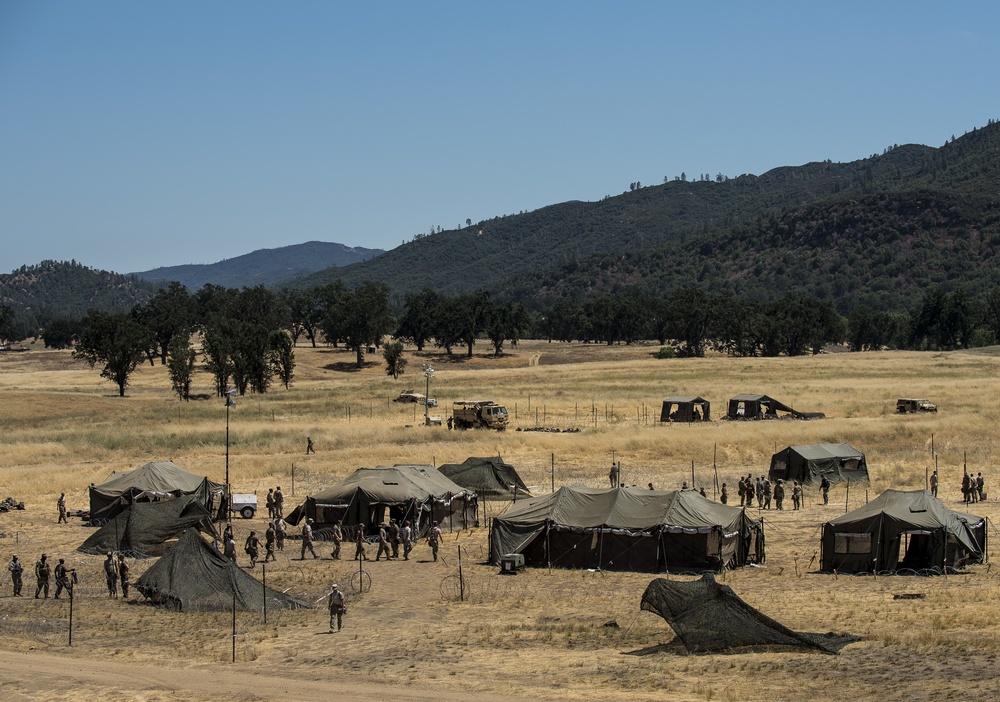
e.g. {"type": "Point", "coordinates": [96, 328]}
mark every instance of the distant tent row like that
{"type": "Point", "coordinates": [143, 529]}
{"type": "Point", "coordinates": [810, 464]}
{"type": "Point", "coordinates": [490, 478]}
{"type": "Point", "coordinates": [415, 493]}
{"type": "Point", "coordinates": [194, 577]}
{"type": "Point", "coordinates": [627, 529]}
{"type": "Point", "coordinates": [155, 481]}
{"type": "Point", "coordinates": [691, 408]}
{"type": "Point", "coordinates": [903, 531]}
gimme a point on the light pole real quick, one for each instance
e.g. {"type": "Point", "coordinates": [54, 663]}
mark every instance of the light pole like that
{"type": "Point", "coordinates": [428, 374]}
{"type": "Point", "coordinates": [230, 402]}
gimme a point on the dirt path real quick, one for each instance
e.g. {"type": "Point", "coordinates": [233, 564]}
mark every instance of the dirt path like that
{"type": "Point", "coordinates": [43, 676]}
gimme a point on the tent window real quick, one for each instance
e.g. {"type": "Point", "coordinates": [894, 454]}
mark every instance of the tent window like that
{"type": "Point", "coordinates": [852, 543]}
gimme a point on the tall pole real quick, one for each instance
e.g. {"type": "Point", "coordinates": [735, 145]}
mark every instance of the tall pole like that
{"type": "Point", "coordinates": [264, 587]}
{"type": "Point", "coordinates": [234, 625]}
{"type": "Point", "coordinates": [71, 612]}
{"type": "Point", "coordinates": [230, 402]}
{"type": "Point", "coordinates": [553, 471]}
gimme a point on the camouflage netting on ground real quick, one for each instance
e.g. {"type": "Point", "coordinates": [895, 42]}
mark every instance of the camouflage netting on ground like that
{"type": "Point", "coordinates": [707, 616]}
{"type": "Point", "coordinates": [143, 529]}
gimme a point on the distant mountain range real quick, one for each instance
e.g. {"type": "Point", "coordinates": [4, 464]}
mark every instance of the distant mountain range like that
{"type": "Point", "coordinates": [267, 267]}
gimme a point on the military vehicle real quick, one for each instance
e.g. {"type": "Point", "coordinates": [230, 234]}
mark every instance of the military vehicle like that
{"type": "Point", "coordinates": [419, 398]}
{"type": "Point", "coordinates": [475, 414]}
{"type": "Point", "coordinates": [906, 404]}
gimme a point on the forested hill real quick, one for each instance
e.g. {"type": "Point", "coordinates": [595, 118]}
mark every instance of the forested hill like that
{"type": "Point", "coordinates": [67, 290]}
{"type": "Point", "coordinates": [267, 267]}
{"type": "Point", "coordinates": [873, 229]}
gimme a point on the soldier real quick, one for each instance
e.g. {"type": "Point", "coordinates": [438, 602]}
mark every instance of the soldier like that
{"type": "Point", "coordinates": [338, 539]}
{"type": "Point", "coordinates": [111, 575]}
{"type": "Point", "coordinates": [229, 547]}
{"type": "Point", "coordinates": [42, 572]}
{"type": "Point", "coordinates": [394, 537]}
{"type": "Point", "coordinates": [279, 502]}
{"type": "Point", "coordinates": [613, 474]}
{"type": "Point", "coordinates": [796, 495]}
{"type": "Point", "coordinates": [307, 540]}
{"type": "Point", "coordinates": [824, 488]}
{"type": "Point", "coordinates": [434, 539]}
{"type": "Point", "coordinates": [309, 446]}
{"type": "Point", "coordinates": [61, 504]}
{"type": "Point", "coordinates": [227, 533]}
{"type": "Point", "coordinates": [123, 570]}
{"type": "Point", "coordinates": [766, 489]}
{"type": "Point", "coordinates": [252, 548]}
{"type": "Point", "coordinates": [62, 577]}
{"type": "Point", "coordinates": [760, 492]}
{"type": "Point", "coordinates": [338, 607]}
{"type": "Point", "coordinates": [359, 544]}
{"type": "Point", "coordinates": [269, 537]}
{"type": "Point", "coordinates": [407, 536]}
{"type": "Point", "coordinates": [269, 502]}
{"type": "Point", "coordinates": [383, 542]}
{"type": "Point", "coordinates": [16, 573]}
{"type": "Point", "coordinates": [966, 488]}
{"type": "Point", "coordinates": [779, 494]}
{"type": "Point", "coordinates": [934, 483]}
{"type": "Point", "coordinates": [724, 495]}
{"type": "Point", "coordinates": [742, 488]}
{"type": "Point", "coordinates": [980, 487]}
{"type": "Point", "coordinates": [280, 529]}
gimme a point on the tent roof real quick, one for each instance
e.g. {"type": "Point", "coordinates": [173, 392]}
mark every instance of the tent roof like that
{"type": "Point", "coordinates": [143, 527]}
{"type": "Point", "coordinates": [393, 485]}
{"type": "Point", "coordinates": [486, 476]}
{"type": "Point", "coordinates": [816, 452]}
{"type": "Point", "coordinates": [157, 476]}
{"type": "Point", "coordinates": [748, 397]}
{"type": "Point", "coordinates": [193, 576]}
{"type": "Point", "coordinates": [707, 616]}
{"type": "Point", "coordinates": [916, 507]}
{"type": "Point", "coordinates": [685, 398]}
{"type": "Point", "coordinates": [624, 508]}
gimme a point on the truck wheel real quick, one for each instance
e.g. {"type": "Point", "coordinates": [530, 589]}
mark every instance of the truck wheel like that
{"type": "Point", "coordinates": [247, 512]}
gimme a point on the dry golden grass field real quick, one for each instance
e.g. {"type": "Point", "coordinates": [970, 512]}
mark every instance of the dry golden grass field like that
{"type": "Point", "coordinates": [537, 635]}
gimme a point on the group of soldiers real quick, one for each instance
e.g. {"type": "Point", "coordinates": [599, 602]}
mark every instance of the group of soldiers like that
{"type": "Point", "coordinates": [275, 503]}
{"type": "Point", "coordinates": [763, 492]}
{"type": "Point", "coordinates": [973, 488]}
{"type": "Point", "coordinates": [391, 535]}
{"type": "Point", "coordinates": [115, 572]}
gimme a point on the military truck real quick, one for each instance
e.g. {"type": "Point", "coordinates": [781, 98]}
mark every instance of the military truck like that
{"type": "Point", "coordinates": [907, 404]}
{"type": "Point", "coordinates": [419, 398]}
{"type": "Point", "coordinates": [476, 414]}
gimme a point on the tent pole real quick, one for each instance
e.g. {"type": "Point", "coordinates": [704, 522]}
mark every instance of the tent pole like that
{"type": "Point", "coordinates": [553, 471]}
{"type": "Point", "coordinates": [234, 625]}
{"type": "Point", "coordinates": [264, 587]}
{"type": "Point", "coordinates": [847, 500]}
{"type": "Point", "coordinates": [548, 546]}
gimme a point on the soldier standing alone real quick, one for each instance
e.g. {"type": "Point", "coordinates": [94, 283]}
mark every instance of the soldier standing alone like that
{"type": "Point", "coordinates": [824, 487]}
{"type": "Point", "coordinates": [61, 504]}
{"type": "Point", "coordinates": [934, 483]}
{"type": "Point", "coordinates": [42, 572]}
{"type": "Point", "coordinates": [16, 574]}
{"type": "Point", "coordinates": [434, 539]}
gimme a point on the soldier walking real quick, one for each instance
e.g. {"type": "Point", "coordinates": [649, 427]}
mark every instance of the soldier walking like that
{"type": "Point", "coordinates": [111, 575]}
{"type": "Point", "coordinates": [309, 446]}
{"type": "Point", "coordinates": [934, 483]}
{"type": "Point", "coordinates": [42, 572]}
{"type": "Point", "coordinates": [383, 542]}
{"type": "Point", "coordinates": [269, 502]}
{"type": "Point", "coordinates": [61, 504]}
{"type": "Point", "coordinates": [394, 537]}
{"type": "Point", "coordinates": [779, 494]}
{"type": "Point", "coordinates": [123, 570]}
{"type": "Point", "coordinates": [229, 547]}
{"type": "Point", "coordinates": [252, 548]}
{"type": "Point", "coordinates": [359, 544]}
{"type": "Point", "coordinates": [280, 529]}
{"type": "Point", "coordinates": [338, 539]}
{"type": "Point", "coordinates": [434, 539]}
{"type": "Point", "coordinates": [824, 488]}
{"type": "Point", "coordinates": [338, 606]}
{"type": "Point", "coordinates": [269, 537]}
{"type": "Point", "coordinates": [16, 574]}
{"type": "Point", "coordinates": [796, 495]}
{"type": "Point", "coordinates": [407, 536]}
{"type": "Point", "coordinates": [307, 540]}
{"type": "Point", "coordinates": [62, 577]}
{"type": "Point", "coordinates": [279, 502]}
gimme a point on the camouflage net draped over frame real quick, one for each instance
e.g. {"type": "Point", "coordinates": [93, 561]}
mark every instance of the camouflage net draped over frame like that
{"type": "Point", "coordinates": [707, 616]}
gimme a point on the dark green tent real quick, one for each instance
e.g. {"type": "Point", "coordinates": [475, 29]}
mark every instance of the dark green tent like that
{"type": "Point", "coordinates": [157, 480]}
{"type": "Point", "coordinates": [143, 529]}
{"type": "Point", "coordinates": [903, 531]}
{"type": "Point", "coordinates": [751, 406]}
{"type": "Point", "coordinates": [685, 408]}
{"type": "Point", "coordinates": [490, 478]}
{"type": "Point", "coordinates": [194, 577]}
{"type": "Point", "coordinates": [627, 529]}
{"type": "Point", "coordinates": [809, 464]}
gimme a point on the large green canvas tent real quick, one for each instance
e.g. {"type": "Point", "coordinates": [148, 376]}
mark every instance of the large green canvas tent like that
{"type": "Point", "coordinates": [490, 478]}
{"type": "Point", "coordinates": [415, 493]}
{"type": "Point", "coordinates": [903, 531]}
{"type": "Point", "coordinates": [810, 464]}
{"type": "Point", "coordinates": [193, 577]}
{"type": "Point", "coordinates": [685, 408]}
{"type": "Point", "coordinates": [628, 529]}
{"type": "Point", "coordinates": [158, 480]}
{"type": "Point", "coordinates": [142, 530]}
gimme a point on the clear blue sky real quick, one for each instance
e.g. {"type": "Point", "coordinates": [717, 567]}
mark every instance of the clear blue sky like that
{"type": "Point", "coordinates": [140, 134]}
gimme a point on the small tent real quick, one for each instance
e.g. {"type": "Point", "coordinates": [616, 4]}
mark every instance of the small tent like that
{"type": "Point", "coordinates": [902, 530]}
{"type": "Point", "coordinates": [193, 577]}
{"type": "Point", "coordinates": [155, 481]}
{"type": "Point", "coordinates": [415, 493]}
{"type": "Point", "coordinates": [707, 616]}
{"type": "Point", "coordinates": [809, 464]}
{"type": "Point", "coordinates": [752, 406]}
{"type": "Point", "coordinates": [490, 478]}
{"type": "Point", "coordinates": [143, 529]}
{"type": "Point", "coordinates": [627, 529]}
{"type": "Point", "coordinates": [683, 408]}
